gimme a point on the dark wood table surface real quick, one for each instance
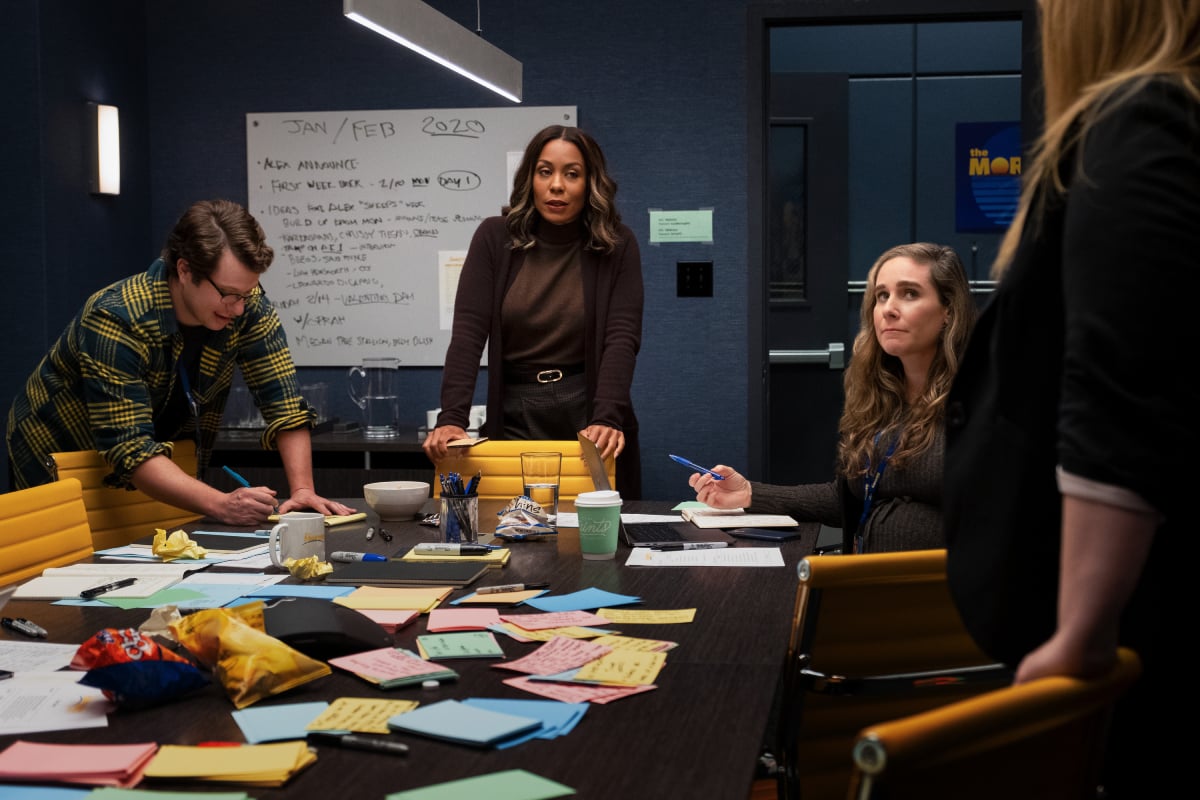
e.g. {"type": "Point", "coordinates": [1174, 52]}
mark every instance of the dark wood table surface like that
{"type": "Point", "coordinates": [696, 736]}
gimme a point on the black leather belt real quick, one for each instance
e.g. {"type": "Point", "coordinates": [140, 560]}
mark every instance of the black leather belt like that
{"type": "Point", "coordinates": [533, 373]}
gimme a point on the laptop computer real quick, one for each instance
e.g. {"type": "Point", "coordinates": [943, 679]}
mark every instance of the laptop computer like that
{"type": "Point", "coordinates": [645, 534]}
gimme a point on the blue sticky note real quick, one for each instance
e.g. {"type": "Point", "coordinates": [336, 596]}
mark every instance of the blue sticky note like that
{"type": "Point", "coordinates": [300, 590]}
{"type": "Point", "coordinates": [277, 723]}
{"type": "Point", "coordinates": [453, 721]}
{"type": "Point", "coordinates": [17, 791]}
{"type": "Point", "coordinates": [558, 719]}
{"type": "Point", "coordinates": [581, 600]}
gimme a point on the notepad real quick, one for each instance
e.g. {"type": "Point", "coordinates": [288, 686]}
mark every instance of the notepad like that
{"type": "Point", "coordinates": [452, 721]}
{"type": "Point", "coordinates": [493, 558]}
{"type": "Point", "coordinates": [735, 518]}
{"type": "Point", "coordinates": [254, 764]}
{"type": "Point", "coordinates": [92, 764]}
{"type": "Point", "coordinates": [333, 519]}
{"type": "Point", "coordinates": [406, 573]}
{"type": "Point", "coordinates": [56, 583]}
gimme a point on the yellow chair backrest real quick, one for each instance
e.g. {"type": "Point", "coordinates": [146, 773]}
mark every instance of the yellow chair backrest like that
{"type": "Point", "coordinates": [499, 462]}
{"type": "Point", "coordinates": [119, 516]}
{"type": "Point", "coordinates": [862, 625]}
{"type": "Point", "coordinates": [42, 526]}
{"type": "Point", "coordinates": [1040, 739]}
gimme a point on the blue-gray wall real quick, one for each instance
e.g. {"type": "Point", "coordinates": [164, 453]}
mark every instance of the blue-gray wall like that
{"type": "Point", "coordinates": [661, 85]}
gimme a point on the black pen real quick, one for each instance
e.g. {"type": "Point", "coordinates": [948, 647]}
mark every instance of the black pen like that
{"type": "Point", "coordinates": [30, 629]}
{"type": "Point", "coordinates": [96, 591]}
{"type": "Point", "coordinates": [355, 742]}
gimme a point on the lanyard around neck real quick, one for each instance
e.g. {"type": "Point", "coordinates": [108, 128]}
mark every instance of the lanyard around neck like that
{"type": "Point", "coordinates": [870, 483]}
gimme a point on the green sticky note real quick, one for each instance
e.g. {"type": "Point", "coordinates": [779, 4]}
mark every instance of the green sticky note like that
{"type": "Point", "coordinates": [512, 784]}
{"type": "Point", "coordinates": [467, 644]}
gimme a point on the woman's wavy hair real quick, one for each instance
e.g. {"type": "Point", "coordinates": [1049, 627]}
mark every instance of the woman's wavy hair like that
{"type": "Point", "coordinates": [1094, 55]}
{"type": "Point", "coordinates": [600, 216]}
{"type": "Point", "coordinates": [207, 229]}
{"type": "Point", "coordinates": [874, 381]}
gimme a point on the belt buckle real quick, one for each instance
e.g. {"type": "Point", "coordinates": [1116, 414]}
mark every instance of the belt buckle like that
{"type": "Point", "coordinates": [549, 376]}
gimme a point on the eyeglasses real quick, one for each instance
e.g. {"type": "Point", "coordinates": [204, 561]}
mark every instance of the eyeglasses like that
{"type": "Point", "coordinates": [231, 298]}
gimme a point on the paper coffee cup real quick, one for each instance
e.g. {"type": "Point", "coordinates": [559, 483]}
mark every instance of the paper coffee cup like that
{"type": "Point", "coordinates": [599, 522]}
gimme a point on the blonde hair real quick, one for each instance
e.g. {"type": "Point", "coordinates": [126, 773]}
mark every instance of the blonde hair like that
{"type": "Point", "coordinates": [876, 400]}
{"type": "Point", "coordinates": [1095, 54]}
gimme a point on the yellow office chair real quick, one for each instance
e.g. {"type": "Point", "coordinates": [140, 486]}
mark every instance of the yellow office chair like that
{"type": "Point", "coordinates": [500, 464]}
{"type": "Point", "coordinates": [42, 526]}
{"type": "Point", "coordinates": [1041, 739]}
{"type": "Point", "coordinates": [119, 516]}
{"type": "Point", "coordinates": [874, 637]}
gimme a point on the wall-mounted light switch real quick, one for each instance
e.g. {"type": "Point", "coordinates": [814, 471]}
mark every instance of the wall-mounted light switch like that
{"type": "Point", "coordinates": [693, 279]}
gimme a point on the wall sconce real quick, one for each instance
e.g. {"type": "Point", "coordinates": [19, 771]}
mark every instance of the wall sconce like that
{"type": "Point", "coordinates": [104, 138]}
{"type": "Point", "coordinates": [434, 35]}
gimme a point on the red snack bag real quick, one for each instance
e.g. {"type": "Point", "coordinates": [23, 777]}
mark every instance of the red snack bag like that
{"type": "Point", "coordinates": [135, 671]}
{"type": "Point", "coordinates": [120, 646]}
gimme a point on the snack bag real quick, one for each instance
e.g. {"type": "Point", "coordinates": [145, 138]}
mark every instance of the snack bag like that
{"type": "Point", "coordinates": [522, 519]}
{"type": "Point", "coordinates": [248, 662]}
{"type": "Point", "coordinates": [133, 670]}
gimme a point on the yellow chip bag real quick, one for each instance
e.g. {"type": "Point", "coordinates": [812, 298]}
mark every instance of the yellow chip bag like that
{"type": "Point", "coordinates": [249, 663]}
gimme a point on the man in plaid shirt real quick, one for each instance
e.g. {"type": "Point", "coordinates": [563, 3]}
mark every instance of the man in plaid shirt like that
{"type": "Point", "coordinates": [151, 358]}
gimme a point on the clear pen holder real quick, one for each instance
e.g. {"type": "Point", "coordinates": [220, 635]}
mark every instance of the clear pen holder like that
{"type": "Point", "coordinates": [458, 520]}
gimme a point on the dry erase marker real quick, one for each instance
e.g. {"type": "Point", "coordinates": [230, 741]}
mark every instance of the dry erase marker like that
{"type": "Point", "coordinates": [681, 460]}
{"type": "Point", "coordinates": [451, 549]}
{"type": "Point", "coordinates": [688, 545]}
{"type": "Point", "coordinates": [355, 742]}
{"type": "Point", "coordinates": [511, 587]}
{"type": "Point", "coordinates": [24, 626]}
{"type": "Point", "coordinates": [347, 557]}
{"type": "Point", "coordinates": [96, 591]}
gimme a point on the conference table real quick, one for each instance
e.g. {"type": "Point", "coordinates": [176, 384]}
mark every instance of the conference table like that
{"type": "Point", "coordinates": [696, 736]}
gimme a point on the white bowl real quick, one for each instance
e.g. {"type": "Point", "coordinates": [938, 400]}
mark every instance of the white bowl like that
{"type": "Point", "coordinates": [396, 500]}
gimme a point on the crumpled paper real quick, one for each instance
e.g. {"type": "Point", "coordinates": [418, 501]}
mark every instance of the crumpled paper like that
{"type": "Point", "coordinates": [177, 545]}
{"type": "Point", "coordinates": [307, 569]}
{"type": "Point", "coordinates": [523, 519]}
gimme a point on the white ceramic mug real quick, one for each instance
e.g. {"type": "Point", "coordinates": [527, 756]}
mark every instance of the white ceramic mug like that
{"type": "Point", "coordinates": [299, 534]}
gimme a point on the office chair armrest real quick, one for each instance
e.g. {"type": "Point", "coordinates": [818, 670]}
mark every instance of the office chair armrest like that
{"type": "Point", "coordinates": [894, 683]}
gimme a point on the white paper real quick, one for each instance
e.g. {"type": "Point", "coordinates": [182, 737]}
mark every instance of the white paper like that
{"type": "Point", "coordinates": [50, 701]}
{"type": "Point", "coordinates": [35, 656]}
{"type": "Point", "coordinates": [714, 557]}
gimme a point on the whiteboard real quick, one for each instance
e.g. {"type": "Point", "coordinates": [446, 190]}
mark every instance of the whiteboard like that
{"type": "Point", "coordinates": [370, 214]}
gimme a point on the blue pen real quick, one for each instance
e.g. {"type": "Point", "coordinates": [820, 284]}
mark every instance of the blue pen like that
{"type": "Point", "coordinates": [239, 478]}
{"type": "Point", "coordinates": [697, 467]}
{"type": "Point", "coordinates": [242, 481]}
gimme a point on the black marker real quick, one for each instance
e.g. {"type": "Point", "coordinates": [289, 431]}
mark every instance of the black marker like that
{"type": "Point", "coordinates": [96, 591]}
{"type": "Point", "coordinates": [30, 629]}
{"type": "Point", "coordinates": [511, 587]}
{"type": "Point", "coordinates": [355, 742]}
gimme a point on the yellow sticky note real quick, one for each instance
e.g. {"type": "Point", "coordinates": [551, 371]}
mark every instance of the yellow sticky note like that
{"type": "Point", "coordinates": [360, 715]}
{"type": "Point", "coordinates": [648, 616]}
{"type": "Point", "coordinates": [624, 668]}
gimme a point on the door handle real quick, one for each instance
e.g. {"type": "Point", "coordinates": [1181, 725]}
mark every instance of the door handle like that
{"type": "Point", "coordinates": [834, 356]}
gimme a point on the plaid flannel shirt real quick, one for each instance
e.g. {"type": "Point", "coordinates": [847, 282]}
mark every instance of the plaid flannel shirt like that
{"type": "Point", "coordinates": [114, 367]}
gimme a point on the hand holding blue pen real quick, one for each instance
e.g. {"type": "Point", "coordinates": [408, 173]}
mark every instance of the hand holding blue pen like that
{"type": "Point", "coordinates": [681, 460]}
{"type": "Point", "coordinates": [242, 481]}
